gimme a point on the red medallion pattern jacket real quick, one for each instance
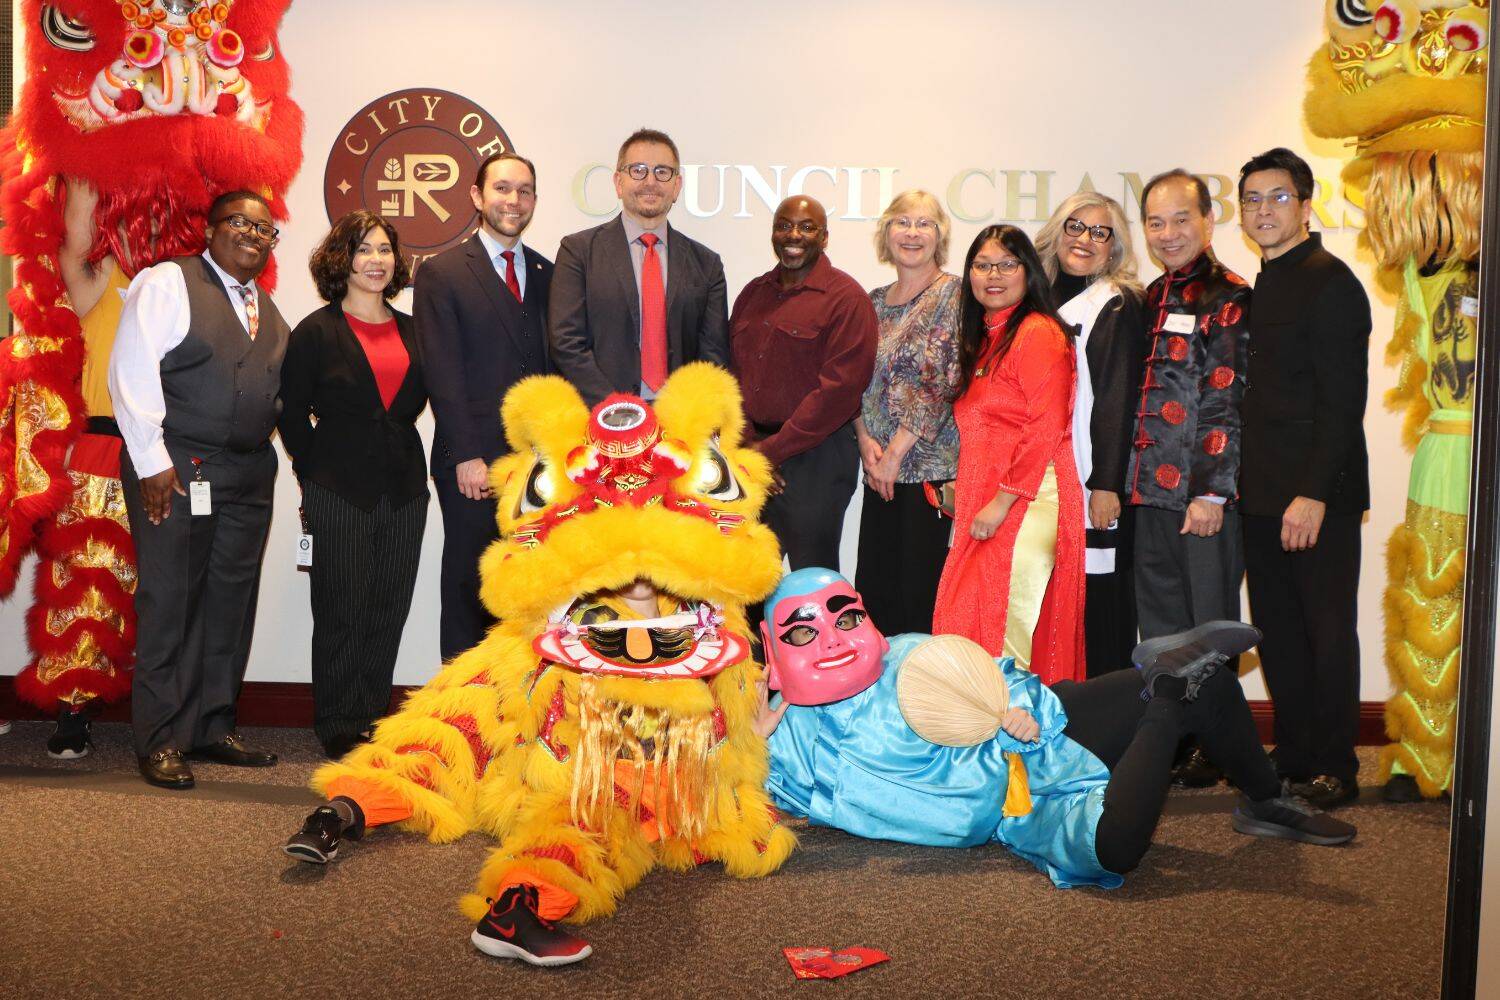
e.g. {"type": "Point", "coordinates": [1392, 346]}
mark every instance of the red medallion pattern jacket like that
{"type": "Point", "coordinates": [1187, 425]}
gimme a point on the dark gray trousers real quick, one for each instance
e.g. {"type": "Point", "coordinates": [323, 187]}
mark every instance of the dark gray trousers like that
{"type": "Point", "coordinates": [195, 598]}
{"type": "Point", "coordinates": [1183, 580]}
{"type": "Point", "coordinates": [808, 516]}
{"type": "Point", "coordinates": [363, 573]}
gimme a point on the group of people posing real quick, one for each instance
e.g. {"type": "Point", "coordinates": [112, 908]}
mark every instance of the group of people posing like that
{"type": "Point", "coordinates": [1055, 461]}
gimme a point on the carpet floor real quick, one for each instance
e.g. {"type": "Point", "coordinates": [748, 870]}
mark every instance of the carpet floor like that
{"type": "Point", "coordinates": [111, 888]}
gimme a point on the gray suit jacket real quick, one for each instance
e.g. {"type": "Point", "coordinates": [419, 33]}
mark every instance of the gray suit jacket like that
{"type": "Point", "coordinates": [594, 310]}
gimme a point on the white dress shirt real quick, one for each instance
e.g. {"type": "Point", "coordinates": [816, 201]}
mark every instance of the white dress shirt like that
{"type": "Point", "coordinates": [494, 249]}
{"type": "Point", "coordinates": [154, 320]}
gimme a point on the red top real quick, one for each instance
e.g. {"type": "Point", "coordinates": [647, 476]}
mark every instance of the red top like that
{"type": "Point", "coordinates": [385, 352]}
{"type": "Point", "coordinates": [803, 356]}
{"type": "Point", "coordinates": [1013, 421]}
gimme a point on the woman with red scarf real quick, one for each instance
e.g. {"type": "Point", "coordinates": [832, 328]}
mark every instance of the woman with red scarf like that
{"type": "Point", "coordinates": [1014, 580]}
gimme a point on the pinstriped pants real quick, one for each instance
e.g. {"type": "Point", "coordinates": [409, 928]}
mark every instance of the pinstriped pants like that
{"type": "Point", "coordinates": [363, 573]}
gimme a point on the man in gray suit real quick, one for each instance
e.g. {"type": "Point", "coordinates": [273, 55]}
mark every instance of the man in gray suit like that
{"type": "Point", "coordinates": [194, 376]}
{"type": "Point", "coordinates": [634, 299]}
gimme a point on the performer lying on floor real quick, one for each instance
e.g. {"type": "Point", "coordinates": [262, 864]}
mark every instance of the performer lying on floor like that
{"type": "Point", "coordinates": [1072, 778]}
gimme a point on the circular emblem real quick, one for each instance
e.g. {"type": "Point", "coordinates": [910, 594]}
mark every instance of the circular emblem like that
{"type": "Point", "coordinates": [1230, 314]}
{"type": "Point", "coordinates": [1192, 291]}
{"type": "Point", "coordinates": [1222, 377]}
{"type": "Point", "coordinates": [410, 157]}
{"type": "Point", "coordinates": [1168, 476]}
{"type": "Point", "coordinates": [1215, 442]}
{"type": "Point", "coordinates": [1177, 349]}
{"type": "Point", "coordinates": [1173, 412]}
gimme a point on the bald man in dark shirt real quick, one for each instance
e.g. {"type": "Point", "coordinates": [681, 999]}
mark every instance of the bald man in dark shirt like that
{"type": "Point", "coordinates": [802, 343]}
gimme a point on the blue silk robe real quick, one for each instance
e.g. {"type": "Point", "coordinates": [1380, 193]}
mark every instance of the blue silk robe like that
{"type": "Point", "coordinates": [856, 765]}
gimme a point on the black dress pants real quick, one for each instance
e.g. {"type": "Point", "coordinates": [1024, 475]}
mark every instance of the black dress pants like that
{"type": "Point", "coordinates": [468, 528]}
{"type": "Point", "coordinates": [1183, 580]}
{"type": "Point", "coordinates": [195, 597]}
{"type": "Point", "coordinates": [363, 573]}
{"type": "Point", "coordinates": [1109, 617]}
{"type": "Point", "coordinates": [903, 543]}
{"type": "Point", "coordinates": [1307, 604]}
{"type": "Point", "coordinates": [1137, 740]}
{"type": "Point", "coordinates": [808, 515]}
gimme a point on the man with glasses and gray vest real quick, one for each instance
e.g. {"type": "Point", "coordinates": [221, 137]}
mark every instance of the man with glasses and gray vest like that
{"type": "Point", "coordinates": [634, 299]}
{"type": "Point", "coordinates": [194, 377]}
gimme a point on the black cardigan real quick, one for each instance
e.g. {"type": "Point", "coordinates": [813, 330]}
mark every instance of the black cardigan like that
{"type": "Point", "coordinates": [358, 449]}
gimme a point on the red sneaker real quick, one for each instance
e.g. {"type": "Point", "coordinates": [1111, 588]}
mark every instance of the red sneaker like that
{"type": "Point", "coordinates": [514, 929]}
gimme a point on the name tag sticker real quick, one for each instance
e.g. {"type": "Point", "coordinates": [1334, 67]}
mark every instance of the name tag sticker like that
{"type": "Point", "coordinates": [304, 550]}
{"type": "Point", "coordinates": [1180, 323]}
{"type": "Point", "coordinates": [1469, 306]}
{"type": "Point", "coordinates": [200, 501]}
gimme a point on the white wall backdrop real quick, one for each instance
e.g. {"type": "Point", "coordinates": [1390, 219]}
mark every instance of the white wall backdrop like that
{"type": "Point", "coordinates": [1000, 108]}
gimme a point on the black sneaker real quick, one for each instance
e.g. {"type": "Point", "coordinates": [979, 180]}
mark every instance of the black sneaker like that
{"type": "Point", "coordinates": [71, 738]}
{"type": "Point", "coordinates": [1291, 818]}
{"type": "Point", "coordinates": [1401, 789]}
{"type": "Point", "coordinates": [514, 929]}
{"type": "Point", "coordinates": [322, 832]}
{"type": "Point", "coordinates": [1192, 655]}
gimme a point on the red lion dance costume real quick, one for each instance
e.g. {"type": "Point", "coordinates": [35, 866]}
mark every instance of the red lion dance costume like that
{"type": "Point", "coordinates": [143, 111]}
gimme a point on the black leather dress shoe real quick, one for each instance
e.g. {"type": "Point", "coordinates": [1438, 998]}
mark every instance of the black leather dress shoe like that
{"type": "Point", "coordinates": [165, 768]}
{"type": "Point", "coordinates": [1327, 792]}
{"type": "Point", "coordinates": [234, 751]}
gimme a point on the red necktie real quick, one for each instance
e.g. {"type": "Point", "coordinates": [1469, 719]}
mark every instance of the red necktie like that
{"type": "Point", "coordinates": [510, 273]}
{"type": "Point", "coordinates": [653, 317]}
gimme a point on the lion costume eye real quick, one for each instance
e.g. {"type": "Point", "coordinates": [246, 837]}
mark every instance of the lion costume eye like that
{"type": "Point", "coordinates": [266, 54]}
{"type": "Point", "coordinates": [63, 32]}
{"type": "Point", "coordinates": [714, 479]}
{"type": "Point", "coordinates": [1354, 13]}
{"type": "Point", "coordinates": [538, 492]}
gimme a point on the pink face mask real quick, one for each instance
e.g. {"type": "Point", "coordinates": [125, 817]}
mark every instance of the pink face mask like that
{"type": "Point", "coordinates": [822, 647]}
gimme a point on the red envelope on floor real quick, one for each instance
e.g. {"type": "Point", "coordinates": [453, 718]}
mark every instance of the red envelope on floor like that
{"type": "Point", "coordinates": [825, 963]}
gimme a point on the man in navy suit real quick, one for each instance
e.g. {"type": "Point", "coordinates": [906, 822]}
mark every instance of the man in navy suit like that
{"type": "Point", "coordinates": [634, 299]}
{"type": "Point", "coordinates": [481, 315]}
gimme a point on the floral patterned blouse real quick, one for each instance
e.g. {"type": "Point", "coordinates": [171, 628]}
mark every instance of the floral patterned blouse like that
{"type": "Point", "coordinates": [916, 374]}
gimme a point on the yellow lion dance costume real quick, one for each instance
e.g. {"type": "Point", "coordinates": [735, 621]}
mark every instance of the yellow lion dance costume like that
{"type": "Point", "coordinates": [593, 752]}
{"type": "Point", "coordinates": [1406, 80]}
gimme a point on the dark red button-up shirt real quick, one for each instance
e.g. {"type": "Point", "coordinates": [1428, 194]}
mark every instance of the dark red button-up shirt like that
{"type": "Point", "coordinates": [803, 356]}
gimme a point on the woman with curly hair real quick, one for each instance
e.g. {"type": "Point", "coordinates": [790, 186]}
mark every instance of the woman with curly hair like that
{"type": "Point", "coordinates": [351, 391]}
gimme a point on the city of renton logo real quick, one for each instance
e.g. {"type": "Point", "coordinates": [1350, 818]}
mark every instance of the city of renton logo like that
{"type": "Point", "coordinates": [410, 157]}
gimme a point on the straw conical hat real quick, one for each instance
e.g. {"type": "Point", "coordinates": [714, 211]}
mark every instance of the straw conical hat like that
{"type": "Point", "coordinates": [952, 692]}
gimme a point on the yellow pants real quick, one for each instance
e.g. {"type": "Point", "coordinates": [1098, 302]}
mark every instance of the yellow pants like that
{"type": "Point", "coordinates": [1031, 570]}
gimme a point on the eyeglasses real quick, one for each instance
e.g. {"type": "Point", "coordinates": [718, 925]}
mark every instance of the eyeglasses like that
{"type": "Point", "coordinates": [240, 224]}
{"type": "Point", "coordinates": [806, 227]}
{"type": "Point", "coordinates": [985, 268]}
{"type": "Point", "coordinates": [921, 225]}
{"type": "Point", "coordinates": [1278, 198]}
{"type": "Point", "coordinates": [661, 171]}
{"type": "Point", "coordinates": [1099, 234]}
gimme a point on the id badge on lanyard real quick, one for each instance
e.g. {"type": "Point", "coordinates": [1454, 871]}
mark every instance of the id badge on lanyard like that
{"type": "Point", "coordinates": [200, 498]}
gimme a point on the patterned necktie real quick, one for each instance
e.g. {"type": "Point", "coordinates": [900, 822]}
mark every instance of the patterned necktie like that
{"type": "Point", "coordinates": [510, 273]}
{"type": "Point", "coordinates": [653, 317]}
{"type": "Point", "coordinates": [252, 314]}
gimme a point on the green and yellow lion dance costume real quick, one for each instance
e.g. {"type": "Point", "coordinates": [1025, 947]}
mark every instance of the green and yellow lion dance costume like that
{"type": "Point", "coordinates": [1405, 79]}
{"type": "Point", "coordinates": [590, 757]}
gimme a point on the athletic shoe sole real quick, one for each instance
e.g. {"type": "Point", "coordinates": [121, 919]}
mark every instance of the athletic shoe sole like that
{"type": "Point", "coordinates": [67, 754]}
{"type": "Point", "coordinates": [1253, 827]}
{"type": "Point", "coordinates": [499, 949]}
{"type": "Point", "coordinates": [1229, 638]}
{"type": "Point", "coordinates": [310, 854]}
{"type": "Point", "coordinates": [4, 727]}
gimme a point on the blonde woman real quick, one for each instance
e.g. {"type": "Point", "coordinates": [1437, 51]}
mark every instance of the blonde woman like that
{"type": "Point", "coordinates": [1086, 250]}
{"type": "Point", "coordinates": [907, 437]}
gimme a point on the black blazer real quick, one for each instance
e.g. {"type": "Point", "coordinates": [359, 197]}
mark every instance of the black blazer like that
{"type": "Point", "coordinates": [594, 318]}
{"type": "Point", "coordinates": [1306, 385]}
{"type": "Point", "coordinates": [358, 449]}
{"type": "Point", "coordinates": [477, 341]}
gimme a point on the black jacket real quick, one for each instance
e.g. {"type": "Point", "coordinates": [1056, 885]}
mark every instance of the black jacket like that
{"type": "Point", "coordinates": [358, 449]}
{"type": "Point", "coordinates": [1309, 377]}
{"type": "Point", "coordinates": [594, 319]}
{"type": "Point", "coordinates": [477, 341]}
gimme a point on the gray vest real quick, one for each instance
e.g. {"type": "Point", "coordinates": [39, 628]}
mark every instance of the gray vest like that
{"type": "Point", "coordinates": [221, 387]}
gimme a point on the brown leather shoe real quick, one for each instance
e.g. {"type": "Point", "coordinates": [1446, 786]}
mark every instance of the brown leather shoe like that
{"type": "Point", "coordinates": [165, 768]}
{"type": "Point", "coordinates": [235, 752]}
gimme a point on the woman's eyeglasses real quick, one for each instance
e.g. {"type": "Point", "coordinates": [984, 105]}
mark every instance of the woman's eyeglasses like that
{"type": "Point", "coordinates": [1099, 234]}
{"type": "Point", "coordinates": [985, 268]}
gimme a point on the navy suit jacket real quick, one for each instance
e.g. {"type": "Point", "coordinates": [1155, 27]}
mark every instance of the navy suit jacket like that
{"type": "Point", "coordinates": [594, 319]}
{"type": "Point", "coordinates": [476, 342]}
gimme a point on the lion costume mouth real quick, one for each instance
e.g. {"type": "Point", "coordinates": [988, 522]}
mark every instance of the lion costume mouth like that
{"type": "Point", "coordinates": [690, 643]}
